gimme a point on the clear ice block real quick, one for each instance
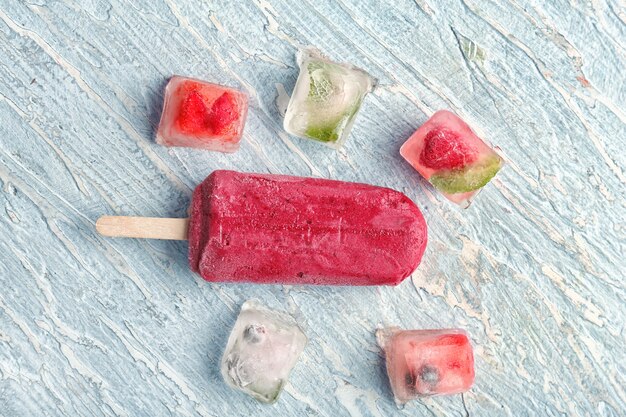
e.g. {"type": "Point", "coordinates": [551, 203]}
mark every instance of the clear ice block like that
{"type": "Point", "coordinates": [325, 99]}
{"type": "Point", "coordinates": [199, 114]}
{"type": "Point", "coordinates": [447, 153]}
{"type": "Point", "coordinates": [263, 347]}
{"type": "Point", "coordinates": [424, 363]}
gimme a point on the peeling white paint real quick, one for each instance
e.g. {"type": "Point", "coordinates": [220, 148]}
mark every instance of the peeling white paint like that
{"type": "Point", "coordinates": [104, 327]}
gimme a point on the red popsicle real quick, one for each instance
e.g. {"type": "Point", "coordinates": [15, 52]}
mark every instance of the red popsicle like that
{"type": "Point", "coordinates": [268, 229]}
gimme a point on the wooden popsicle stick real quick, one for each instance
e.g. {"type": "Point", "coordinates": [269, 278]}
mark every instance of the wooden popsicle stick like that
{"type": "Point", "coordinates": [143, 227]}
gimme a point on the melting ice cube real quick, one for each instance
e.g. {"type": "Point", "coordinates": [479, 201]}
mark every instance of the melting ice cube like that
{"type": "Point", "coordinates": [263, 347]}
{"type": "Point", "coordinates": [427, 362]}
{"type": "Point", "coordinates": [200, 114]}
{"type": "Point", "coordinates": [447, 153]}
{"type": "Point", "coordinates": [326, 99]}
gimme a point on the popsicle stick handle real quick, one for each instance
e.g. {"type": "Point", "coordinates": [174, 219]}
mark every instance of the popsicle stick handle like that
{"type": "Point", "coordinates": [143, 227]}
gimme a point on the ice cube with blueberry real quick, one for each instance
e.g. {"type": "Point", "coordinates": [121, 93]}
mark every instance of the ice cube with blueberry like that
{"type": "Point", "coordinates": [326, 99]}
{"type": "Point", "coordinates": [199, 114]}
{"type": "Point", "coordinates": [423, 363]}
{"type": "Point", "coordinates": [262, 349]}
{"type": "Point", "coordinates": [447, 153]}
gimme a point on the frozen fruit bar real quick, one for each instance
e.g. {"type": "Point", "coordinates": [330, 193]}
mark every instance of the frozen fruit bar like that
{"type": "Point", "coordinates": [326, 99]}
{"type": "Point", "coordinates": [292, 230]}
{"type": "Point", "coordinates": [199, 114]}
{"type": "Point", "coordinates": [446, 152]}
{"type": "Point", "coordinates": [427, 362]}
{"type": "Point", "coordinates": [263, 347]}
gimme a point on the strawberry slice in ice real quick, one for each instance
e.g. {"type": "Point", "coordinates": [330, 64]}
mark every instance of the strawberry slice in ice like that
{"type": "Point", "coordinates": [199, 114]}
{"type": "Point", "coordinates": [223, 114]}
{"type": "Point", "coordinates": [193, 114]}
{"type": "Point", "coordinates": [447, 153]}
{"type": "Point", "coordinates": [427, 362]}
{"type": "Point", "coordinates": [444, 149]}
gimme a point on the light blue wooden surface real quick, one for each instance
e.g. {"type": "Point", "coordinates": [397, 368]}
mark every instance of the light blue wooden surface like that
{"type": "Point", "coordinates": [534, 270]}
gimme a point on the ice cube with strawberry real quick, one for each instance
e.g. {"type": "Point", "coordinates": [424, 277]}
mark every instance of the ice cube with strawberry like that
{"type": "Point", "coordinates": [199, 114]}
{"type": "Point", "coordinates": [422, 363]}
{"type": "Point", "coordinates": [446, 152]}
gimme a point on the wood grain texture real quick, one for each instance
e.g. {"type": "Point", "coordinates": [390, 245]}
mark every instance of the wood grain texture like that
{"type": "Point", "coordinates": [534, 270]}
{"type": "Point", "coordinates": [143, 227]}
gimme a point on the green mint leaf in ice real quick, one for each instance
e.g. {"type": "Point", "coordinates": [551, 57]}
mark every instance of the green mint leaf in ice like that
{"type": "Point", "coordinates": [320, 83]}
{"type": "Point", "coordinates": [326, 98]}
{"type": "Point", "coordinates": [327, 133]}
{"type": "Point", "coordinates": [331, 105]}
{"type": "Point", "coordinates": [468, 179]}
{"type": "Point", "coordinates": [268, 392]}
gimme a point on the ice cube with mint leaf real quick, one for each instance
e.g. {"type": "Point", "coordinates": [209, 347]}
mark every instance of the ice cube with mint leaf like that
{"type": "Point", "coordinates": [326, 99]}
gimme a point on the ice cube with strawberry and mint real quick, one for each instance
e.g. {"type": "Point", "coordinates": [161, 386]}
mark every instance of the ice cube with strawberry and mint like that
{"type": "Point", "coordinates": [199, 114]}
{"type": "Point", "coordinates": [326, 99]}
{"type": "Point", "coordinates": [447, 153]}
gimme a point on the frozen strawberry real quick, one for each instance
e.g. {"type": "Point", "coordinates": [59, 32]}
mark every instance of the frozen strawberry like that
{"type": "Point", "coordinates": [444, 149]}
{"type": "Point", "coordinates": [199, 114]}
{"type": "Point", "coordinates": [452, 157]}
{"type": "Point", "coordinates": [193, 115]}
{"type": "Point", "coordinates": [427, 362]}
{"type": "Point", "coordinates": [223, 113]}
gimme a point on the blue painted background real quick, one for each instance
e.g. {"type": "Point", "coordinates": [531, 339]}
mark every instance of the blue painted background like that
{"type": "Point", "coordinates": [534, 270]}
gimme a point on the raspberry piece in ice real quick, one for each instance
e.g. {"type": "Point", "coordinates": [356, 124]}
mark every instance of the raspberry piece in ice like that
{"type": "Point", "coordinates": [198, 114]}
{"type": "Point", "coordinates": [223, 114]}
{"type": "Point", "coordinates": [444, 149]}
{"type": "Point", "coordinates": [193, 114]}
{"type": "Point", "coordinates": [447, 153]}
{"type": "Point", "coordinates": [427, 362]}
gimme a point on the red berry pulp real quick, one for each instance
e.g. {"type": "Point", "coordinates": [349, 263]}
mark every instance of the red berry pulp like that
{"type": "Point", "coordinates": [192, 115]}
{"type": "Point", "coordinates": [223, 113]}
{"type": "Point", "coordinates": [195, 118]}
{"type": "Point", "coordinates": [444, 149]}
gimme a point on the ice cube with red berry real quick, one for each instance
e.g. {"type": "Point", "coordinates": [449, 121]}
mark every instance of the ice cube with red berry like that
{"type": "Point", "coordinates": [422, 363]}
{"type": "Point", "coordinates": [447, 153]}
{"type": "Point", "coordinates": [199, 114]}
